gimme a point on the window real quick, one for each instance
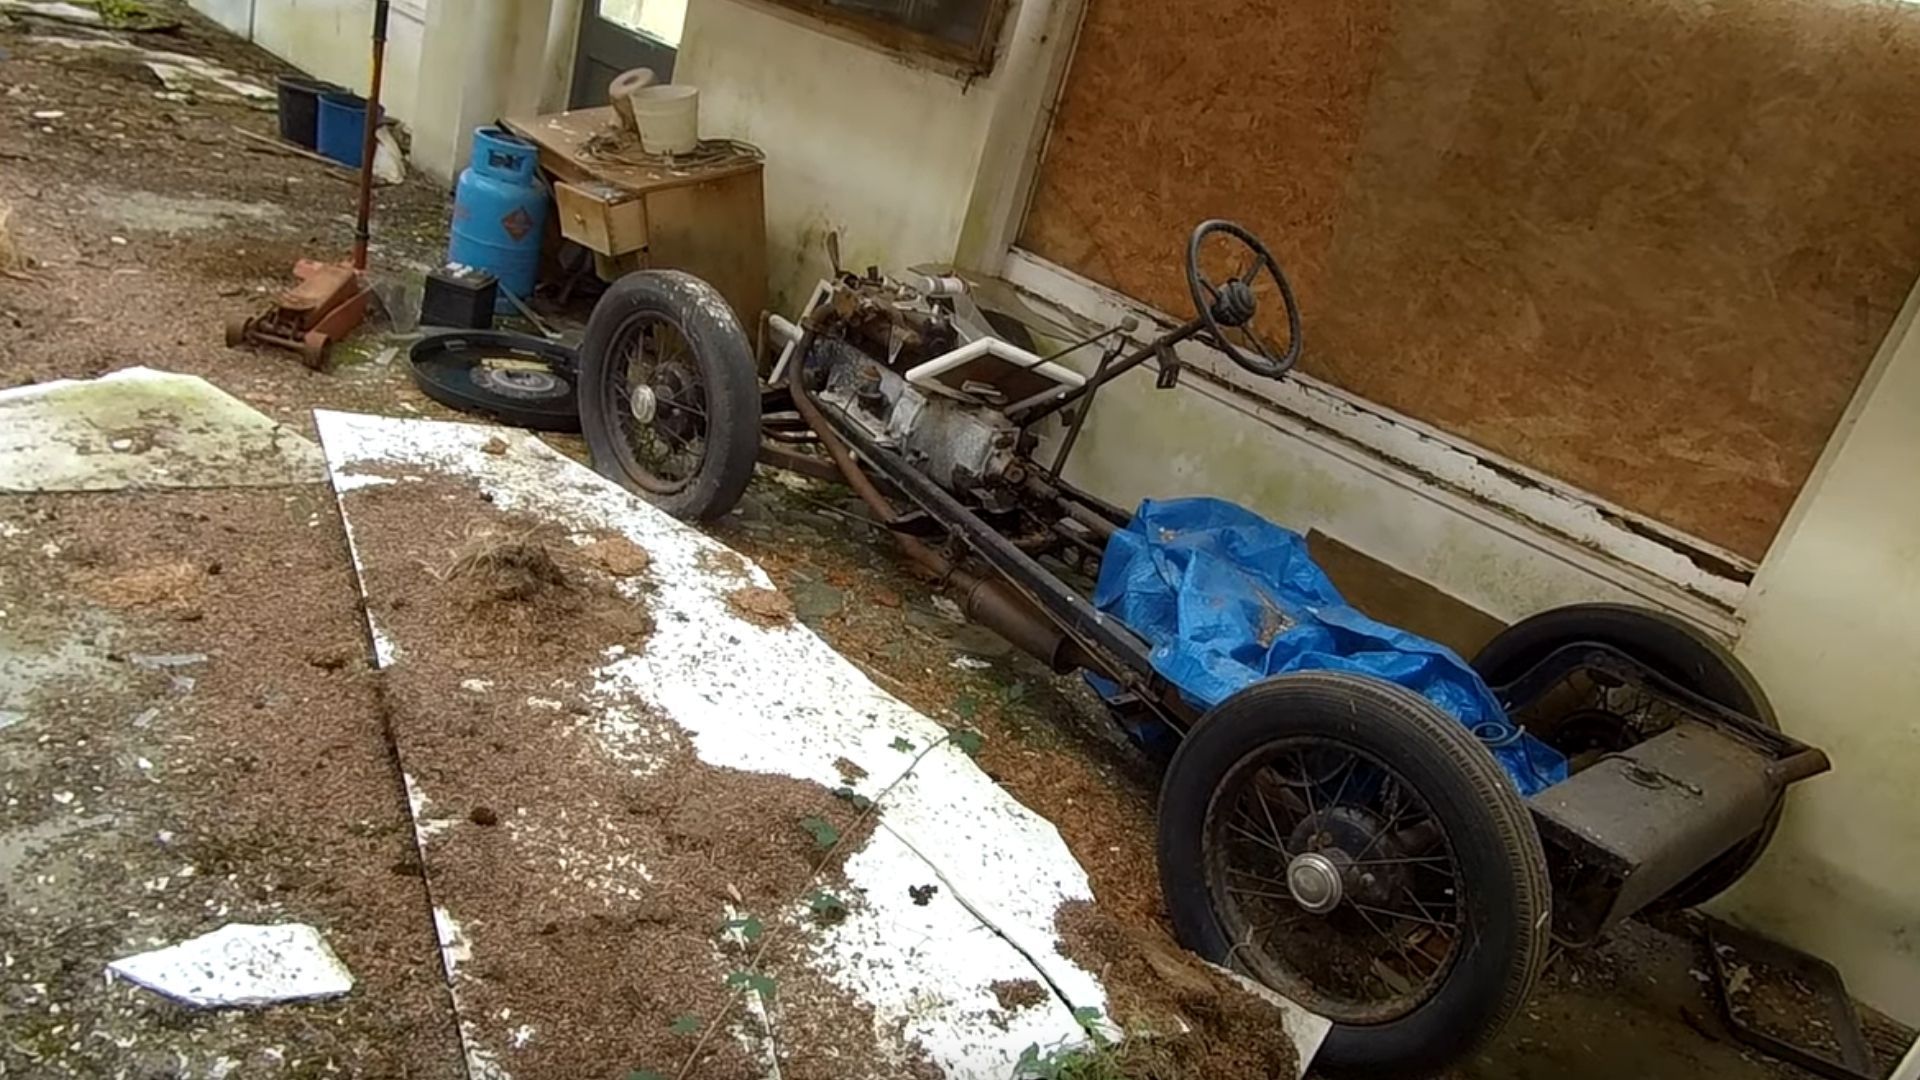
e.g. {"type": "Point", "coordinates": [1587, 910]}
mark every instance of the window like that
{"type": "Point", "coordinates": [658, 19]}
{"type": "Point", "coordinates": [962, 32]}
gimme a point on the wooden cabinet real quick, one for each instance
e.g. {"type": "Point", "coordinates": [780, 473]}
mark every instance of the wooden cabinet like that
{"type": "Point", "coordinates": [704, 212]}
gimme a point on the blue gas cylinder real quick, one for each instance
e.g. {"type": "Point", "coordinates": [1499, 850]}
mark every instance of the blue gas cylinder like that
{"type": "Point", "coordinates": [500, 213]}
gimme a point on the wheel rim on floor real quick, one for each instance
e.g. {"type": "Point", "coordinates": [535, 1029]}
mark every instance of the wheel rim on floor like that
{"type": "Point", "coordinates": [1334, 879]}
{"type": "Point", "coordinates": [660, 403]}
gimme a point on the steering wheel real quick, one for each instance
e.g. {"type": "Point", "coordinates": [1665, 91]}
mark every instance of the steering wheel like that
{"type": "Point", "coordinates": [1232, 305]}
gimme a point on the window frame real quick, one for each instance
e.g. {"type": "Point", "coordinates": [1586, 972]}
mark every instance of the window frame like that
{"type": "Point", "coordinates": [962, 60]}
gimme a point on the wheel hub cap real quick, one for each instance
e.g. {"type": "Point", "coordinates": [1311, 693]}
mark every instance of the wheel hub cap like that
{"type": "Point", "coordinates": [644, 404]}
{"type": "Point", "coordinates": [1314, 882]}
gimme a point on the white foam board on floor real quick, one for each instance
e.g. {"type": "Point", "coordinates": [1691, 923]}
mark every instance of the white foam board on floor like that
{"type": "Point", "coordinates": [780, 700]}
{"type": "Point", "coordinates": [241, 965]}
{"type": "Point", "coordinates": [141, 428]}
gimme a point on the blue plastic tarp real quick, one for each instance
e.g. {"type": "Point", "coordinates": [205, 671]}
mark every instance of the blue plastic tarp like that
{"type": "Point", "coordinates": [1226, 598]}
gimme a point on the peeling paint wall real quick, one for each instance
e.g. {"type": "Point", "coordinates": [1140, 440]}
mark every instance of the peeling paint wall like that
{"type": "Point", "coordinates": [1833, 631]}
{"type": "Point", "coordinates": [856, 140]}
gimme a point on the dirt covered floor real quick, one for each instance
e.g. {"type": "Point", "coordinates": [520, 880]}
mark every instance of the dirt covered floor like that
{"type": "Point", "coordinates": [139, 225]}
{"type": "Point", "coordinates": [196, 738]}
{"type": "Point", "coordinates": [258, 782]}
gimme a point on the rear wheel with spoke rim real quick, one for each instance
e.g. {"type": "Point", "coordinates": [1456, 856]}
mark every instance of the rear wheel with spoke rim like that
{"type": "Point", "coordinates": [1344, 841]}
{"type": "Point", "coordinates": [660, 403]}
{"type": "Point", "coordinates": [669, 402]}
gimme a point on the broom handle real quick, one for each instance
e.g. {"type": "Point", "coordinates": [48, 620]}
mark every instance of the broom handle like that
{"type": "Point", "coordinates": [368, 144]}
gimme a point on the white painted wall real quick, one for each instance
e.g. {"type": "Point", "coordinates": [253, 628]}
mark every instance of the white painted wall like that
{"type": "Point", "coordinates": [482, 59]}
{"type": "Point", "coordinates": [236, 16]}
{"type": "Point", "coordinates": [1833, 632]}
{"type": "Point", "coordinates": [486, 59]}
{"type": "Point", "coordinates": [856, 140]}
{"type": "Point", "coordinates": [333, 40]}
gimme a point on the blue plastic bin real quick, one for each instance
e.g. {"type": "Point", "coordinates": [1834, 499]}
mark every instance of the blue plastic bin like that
{"type": "Point", "coordinates": [342, 126]}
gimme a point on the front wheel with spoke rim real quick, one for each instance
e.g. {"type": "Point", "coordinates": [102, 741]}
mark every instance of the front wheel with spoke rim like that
{"type": "Point", "coordinates": [669, 402]}
{"type": "Point", "coordinates": [1345, 842]}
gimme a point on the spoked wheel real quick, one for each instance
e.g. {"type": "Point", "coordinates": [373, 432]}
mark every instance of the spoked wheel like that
{"type": "Point", "coordinates": [1586, 721]}
{"type": "Point", "coordinates": [668, 398]}
{"type": "Point", "coordinates": [1350, 845]}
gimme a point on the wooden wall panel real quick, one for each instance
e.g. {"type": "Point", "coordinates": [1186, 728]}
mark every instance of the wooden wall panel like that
{"type": "Point", "coordinates": [1646, 246]}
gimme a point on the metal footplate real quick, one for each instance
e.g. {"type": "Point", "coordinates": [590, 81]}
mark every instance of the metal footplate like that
{"type": "Point", "coordinates": [1638, 821]}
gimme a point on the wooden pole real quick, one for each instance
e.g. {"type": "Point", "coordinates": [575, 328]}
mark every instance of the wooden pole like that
{"type": "Point", "coordinates": [369, 143]}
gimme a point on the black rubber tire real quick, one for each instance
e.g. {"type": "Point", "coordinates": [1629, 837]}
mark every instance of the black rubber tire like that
{"type": "Point", "coordinates": [1673, 647]}
{"type": "Point", "coordinates": [443, 367]}
{"type": "Point", "coordinates": [725, 360]}
{"type": "Point", "coordinates": [1503, 870]}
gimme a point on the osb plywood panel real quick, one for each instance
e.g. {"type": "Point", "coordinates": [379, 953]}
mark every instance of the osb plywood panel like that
{"type": "Point", "coordinates": [1646, 246]}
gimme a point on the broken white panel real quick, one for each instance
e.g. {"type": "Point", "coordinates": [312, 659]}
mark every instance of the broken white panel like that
{"type": "Point", "coordinates": [242, 964]}
{"type": "Point", "coordinates": [53, 9]}
{"type": "Point", "coordinates": [780, 700]}
{"type": "Point", "coordinates": [179, 64]}
{"type": "Point", "coordinates": [938, 963]}
{"type": "Point", "coordinates": [981, 860]}
{"type": "Point", "coordinates": [138, 427]}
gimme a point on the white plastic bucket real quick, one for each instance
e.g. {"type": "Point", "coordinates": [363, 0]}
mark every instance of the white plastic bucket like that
{"type": "Point", "coordinates": [668, 118]}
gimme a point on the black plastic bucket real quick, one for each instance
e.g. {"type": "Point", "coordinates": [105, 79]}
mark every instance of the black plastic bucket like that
{"type": "Point", "coordinates": [300, 108]}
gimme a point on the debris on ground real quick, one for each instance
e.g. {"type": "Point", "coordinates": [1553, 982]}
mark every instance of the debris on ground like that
{"type": "Point", "coordinates": [1779, 1003]}
{"type": "Point", "coordinates": [617, 555]}
{"type": "Point", "coordinates": [520, 594]}
{"type": "Point", "coordinates": [1016, 994]}
{"type": "Point", "coordinates": [766, 607]}
{"type": "Point", "coordinates": [1188, 1017]}
{"type": "Point", "coordinates": [241, 964]}
{"type": "Point", "coordinates": [171, 586]}
{"type": "Point", "coordinates": [167, 777]}
{"type": "Point", "coordinates": [12, 259]}
{"type": "Point", "coordinates": [500, 566]}
{"type": "Point", "coordinates": [389, 161]}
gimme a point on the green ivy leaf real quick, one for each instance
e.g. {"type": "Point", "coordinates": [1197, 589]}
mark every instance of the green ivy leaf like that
{"type": "Point", "coordinates": [754, 981]}
{"type": "Point", "coordinates": [1088, 1018]}
{"type": "Point", "coordinates": [901, 744]}
{"type": "Point", "coordinates": [684, 1025]}
{"type": "Point", "coordinates": [822, 831]}
{"type": "Point", "coordinates": [1013, 693]}
{"type": "Point", "coordinates": [826, 906]}
{"type": "Point", "coordinates": [750, 928]}
{"type": "Point", "coordinates": [966, 706]}
{"type": "Point", "coordinates": [969, 741]}
{"type": "Point", "coordinates": [853, 798]}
